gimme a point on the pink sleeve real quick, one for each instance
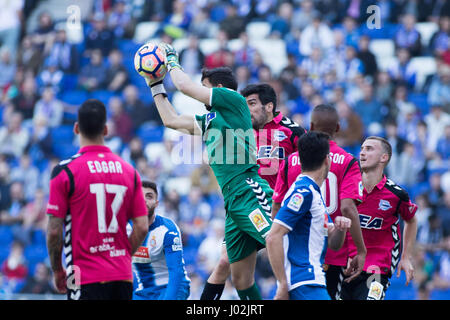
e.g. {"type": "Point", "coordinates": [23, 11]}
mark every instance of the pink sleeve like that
{"type": "Point", "coordinates": [58, 201]}
{"type": "Point", "coordinates": [281, 186]}
{"type": "Point", "coordinates": [139, 206]}
{"type": "Point", "coordinates": [407, 210]}
{"type": "Point", "coordinates": [351, 185]}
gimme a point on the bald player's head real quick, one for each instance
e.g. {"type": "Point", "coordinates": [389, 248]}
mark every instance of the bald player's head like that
{"type": "Point", "coordinates": [324, 118]}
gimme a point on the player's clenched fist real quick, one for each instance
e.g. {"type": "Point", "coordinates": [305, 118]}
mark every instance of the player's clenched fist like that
{"type": "Point", "coordinates": [342, 223]}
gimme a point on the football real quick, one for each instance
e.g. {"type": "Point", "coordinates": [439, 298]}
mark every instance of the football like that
{"type": "Point", "coordinates": [149, 61]}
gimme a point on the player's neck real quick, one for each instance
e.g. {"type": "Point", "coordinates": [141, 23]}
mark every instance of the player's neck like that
{"type": "Point", "coordinates": [316, 175]}
{"type": "Point", "coordinates": [371, 178]}
{"type": "Point", "coordinates": [85, 142]}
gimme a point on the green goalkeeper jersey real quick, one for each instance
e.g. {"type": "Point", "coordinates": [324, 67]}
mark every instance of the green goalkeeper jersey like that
{"type": "Point", "coordinates": [228, 134]}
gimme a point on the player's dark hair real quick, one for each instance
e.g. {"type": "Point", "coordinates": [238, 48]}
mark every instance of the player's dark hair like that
{"type": "Point", "coordinates": [265, 94]}
{"type": "Point", "coordinates": [325, 118]}
{"type": "Point", "coordinates": [221, 75]}
{"type": "Point", "coordinates": [92, 118]}
{"type": "Point", "coordinates": [313, 148]}
{"type": "Point", "coordinates": [150, 185]}
{"type": "Point", "coordinates": [385, 145]}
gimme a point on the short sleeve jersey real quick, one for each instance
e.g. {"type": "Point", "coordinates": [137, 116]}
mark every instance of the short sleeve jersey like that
{"type": "Point", "coordinates": [275, 142]}
{"type": "Point", "coordinates": [96, 193]}
{"type": "Point", "coordinates": [379, 215]}
{"type": "Point", "coordinates": [304, 214]}
{"type": "Point", "coordinates": [228, 134]}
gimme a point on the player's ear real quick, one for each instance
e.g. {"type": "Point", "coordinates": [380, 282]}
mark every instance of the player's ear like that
{"type": "Point", "coordinates": [269, 107]}
{"type": "Point", "coordinates": [156, 203]}
{"type": "Point", "coordinates": [76, 128]}
{"type": "Point", "coordinates": [338, 127]}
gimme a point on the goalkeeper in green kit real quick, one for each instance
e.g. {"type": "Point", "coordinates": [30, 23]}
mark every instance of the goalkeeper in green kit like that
{"type": "Point", "coordinates": [228, 135]}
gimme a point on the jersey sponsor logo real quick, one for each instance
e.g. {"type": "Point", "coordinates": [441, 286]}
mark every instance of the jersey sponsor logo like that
{"type": "Point", "coordinates": [258, 220]}
{"type": "Point", "coordinates": [384, 205]}
{"type": "Point", "coordinates": [368, 222]}
{"type": "Point", "coordinates": [209, 117]}
{"type": "Point", "coordinates": [265, 152]}
{"type": "Point", "coordinates": [295, 202]}
{"type": "Point", "coordinates": [279, 135]}
{"type": "Point", "coordinates": [52, 207]}
{"type": "Point", "coordinates": [142, 252]}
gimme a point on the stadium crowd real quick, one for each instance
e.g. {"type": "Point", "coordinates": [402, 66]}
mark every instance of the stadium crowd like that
{"type": "Point", "coordinates": [331, 57]}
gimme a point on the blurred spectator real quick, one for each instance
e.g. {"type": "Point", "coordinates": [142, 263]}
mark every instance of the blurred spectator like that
{"type": "Point", "coordinates": [443, 211]}
{"type": "Point", "coordinates": [243, 76]}
{"type": "Point", "coordinates": [35, 216]}
{"type": "Point", "coordinates": [317, 34]}
{"type": "Point", "coordinates": [421, 145]}
{"type": "Point", "coordinates": [170, 207]}
{"type": "Point", "coordinates": [222, 56]}
{"type": "Point", "coordinates": [116, 73]}
{"type": "Point", "coordinates": [10, 23]}
{"type": "Point", "coordinates": [396, 141]}
{"type": "Point", "coordinates": [99, 37]}
{"type": "Point", "coordinates": [350, 30]}
{"type": "Point", "coordinates": [304, 101]}
{"type": "Point", "coordinates": [423, 214]}
{"type": "Point", "coordinates": [402, 70]}
{"type": "Point", "coordinates": [209, 251]}
{"type": "Point", "coordinates": [28, 55]}
{"type": "Point", "coordinates": [136, 109]}
{"type": "Point", "coordinates": [351, 66]}
{"type": "Point", "coordinates": [119, 20]}
{"type": "Point", "coordinates": [192, 57]}
{"type": "Point", "coordinates": [40, 144]}
{"type": "Point", "coordinates": [317, 65]}
{"type": "Point", "coordinates": [62, 53]}
{"type": "Point", "coordinates": [407, 35]}
{"type": "Point", "coordinates": [439, 91]}
{"type": "Point", "coordinates": [121, 119]}
{"type": "Point", "coordinates": [93, 75]}
{"type": "Point", "coordinates": [195, 213]}
{"type": "Point", "coordinates": [443, 145]}
{"type": "Point", "coordinates": [338, 51]}
{"type": "Point", "coordinates": [367, 57]}
{"type": "Point", "coordinates": [112, 141]}
{"type": "Point", "coordinates": [40, 282]}
{"type": "Point", "coordinates": [8, 67]}
{"type": "Point", "coordinates": [303, 14]}
{"type": "Point", "coordinates": [437, 119]}
{"type": "Point", "coordinates": [44, 180]}
{"type": "Point", "coordinates": [384, 87]}
{"type": "Point", "coordinates": [202, 26]}
{"type": "Point", "coordinates": [13, 137]}
{"type": "Point", "coordinates": [50, 75]}
{"type": "Point", "coordinates": [281, 22]}
{"type": "Point", "coordinates": [244, 55]}
{"type": "Point", "coordinates": [50, 108]}
{"type": "Point", "coordinates": [43, 36]}
{"type": "Point", "coordinates": [28, 95]}
{"type": "Point", "coordinates": [179, 17]}
{"type": "Point", "coordinates": [368, 108]}
{"type": "Point", "coordinates": [407, 123]}
{"type": "Point", "coordinates": [399, 105]}
{"type": "Point", "coordinates": [28, 175]}
{"type": "Point", "coordinates": [134, 151]}
{"type": "Point", "coordinates": [439, 41]}
{"type": "Point", "coordinates": [441, 278]}
{"type": "Point", "coordinates": [15, 212]}
{"type": "Point", "coordinates": [14, 267]}
{"type": "Point", "coordinates": [203, 178]}
{"type": "Point", "coordinates": [233, 24]}
{"type": "Point", "coordinates": [5, 183]}
{"type": "Point", "coordinates": [403, 168]}
{"type": "Point", "coordinates": [435, 192]}
{"type": "Point", "coordinates": [351, 129]}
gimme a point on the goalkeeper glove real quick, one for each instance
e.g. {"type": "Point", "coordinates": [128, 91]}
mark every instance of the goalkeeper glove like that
{"type": "Point", "coordinates": [171, 56]}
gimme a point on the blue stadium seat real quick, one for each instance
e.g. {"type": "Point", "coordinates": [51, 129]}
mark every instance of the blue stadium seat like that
{"type": "Point", "coordinates": [62, 134]}
{"type": "Point", "coordinates": [74, 97]}
{"type": "Point", "coordinates": [440, 294]}
{"type": "Point", "coordinates": [150, 134]}
{"type": "Point", "coordinates": [64, 150]}
{"type": "Point", "coordinates": [6, 236]}
{"type": "Point", "coordinates": [102, 95]}
{"type": "Point", "coordinates": [127, 47]}
{"type": "Point", "coordinates": [39, 237]}
{"type": "Point", "coordinates": [420, 100]}
{"type": "Point", "coordinates": [36, 252]}
{"type": "Point", "coordinates": [69, 82]}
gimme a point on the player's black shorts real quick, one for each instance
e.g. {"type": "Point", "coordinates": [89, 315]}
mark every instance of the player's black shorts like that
{"type": "Point", "coordinates": [366, 286]}
{"type": "Point", "coordinates": [114, 290]}
{"type": "Point", "coordinates": [334, 277]}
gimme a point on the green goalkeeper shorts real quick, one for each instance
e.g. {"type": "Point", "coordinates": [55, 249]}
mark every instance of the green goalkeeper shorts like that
{"type": "Point", "coordinates": [248, 201]}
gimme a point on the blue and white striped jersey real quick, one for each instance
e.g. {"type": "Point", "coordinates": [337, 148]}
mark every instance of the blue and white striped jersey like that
{"type": "Point", "coordinates": [158, 264]}
{"type": "Point", "coordinates": [304, 214]}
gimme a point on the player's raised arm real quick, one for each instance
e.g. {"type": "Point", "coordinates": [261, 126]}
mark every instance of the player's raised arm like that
{"type": "Point", "coordinates": [181, 80]}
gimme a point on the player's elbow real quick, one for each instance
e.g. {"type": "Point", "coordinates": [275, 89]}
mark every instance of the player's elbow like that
{"type": "Point", "coordinates": [348, 209]}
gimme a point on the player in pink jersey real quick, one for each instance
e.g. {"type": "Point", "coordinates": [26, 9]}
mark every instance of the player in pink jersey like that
{"type": "Point", "coordinates": [384, 203]}
{"type": "Point", "coordinates": [276, 138]}
{"type": "Point", "coordinates": [341, 192]}
{"type": "Point", "coordinates": [92, 196]}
